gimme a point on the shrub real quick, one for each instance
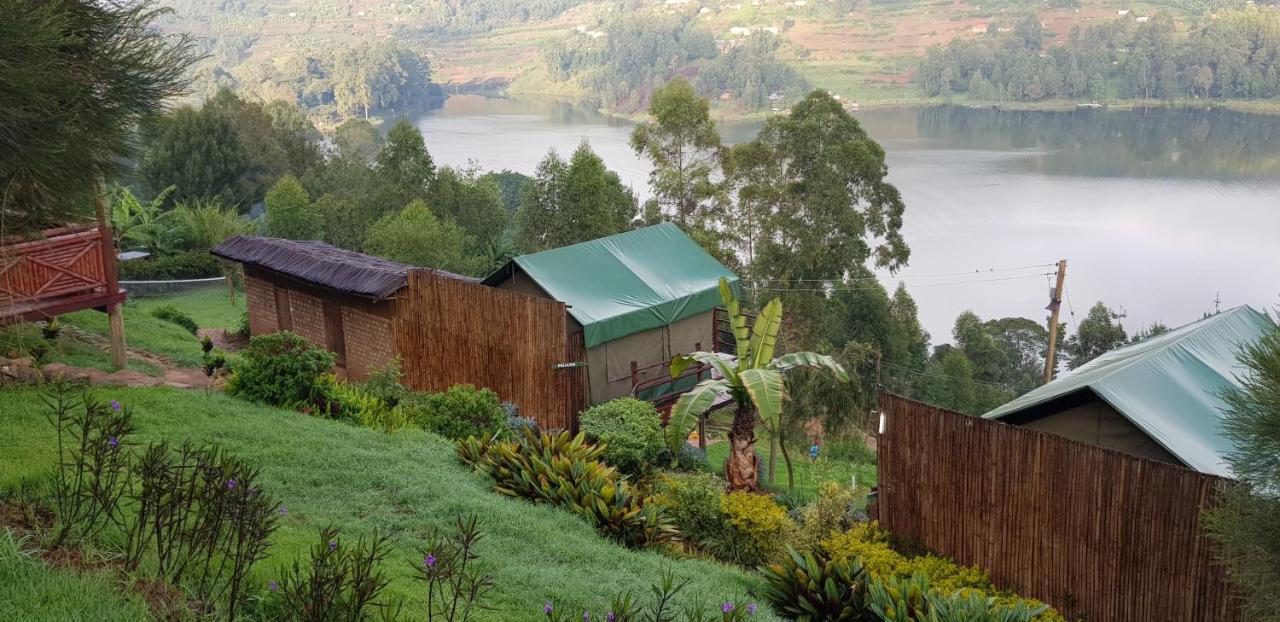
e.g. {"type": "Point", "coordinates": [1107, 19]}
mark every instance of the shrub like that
{"type": "Point", "coordinates": [340, 581]}
{"type": "Point", "coordinates": [630, 430]}
{"type": "Point", "coordinates": [516, 425]}
{"type": "Point", "coordinates": [689, 458]}
{"type": "Point", "coordinates": [850, 450]}
{"type": "Point", "coordinates": [693, 503]}
{"type": "Point", "coordinates": [281, 369]}
{"type": "Point", "coordinates": [912, 599]}
{"type": "Point", "coordinates": [566, 470]}
{"type": "Point", "coordinates": [624, 607]}
{"type": "Point", "coordinates": [457, 413]}
{"type": "Point", "coordinates": [188, 265]}
{"type": "Point", "coordinates": [456, 583]}
{"type": "Point", "coordinates": [174, 315]}
{"type": "Point", "coordinates": [870, 545]}
{"type": "Point", "coordinates": [356, 404]}
{"type": "Point", "coordinates": [761, 529]}
{"type": "Point", "coordinates": [816, 587]}
{"type": "Point", "coordinates": [831, 513]}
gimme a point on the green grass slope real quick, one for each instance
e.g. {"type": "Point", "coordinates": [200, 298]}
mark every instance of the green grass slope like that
{"type": "Point", "coordinates": [329, 473]}
{"type": "Point", "coordinates": [31, 591]}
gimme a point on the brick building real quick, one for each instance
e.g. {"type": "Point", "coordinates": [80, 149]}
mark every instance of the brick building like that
{"type": "Point", "coordinates": [446, 329]}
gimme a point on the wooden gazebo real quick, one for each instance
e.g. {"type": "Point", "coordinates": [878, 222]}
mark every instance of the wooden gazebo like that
{"type": "Point", "coordinates": [62, 270]}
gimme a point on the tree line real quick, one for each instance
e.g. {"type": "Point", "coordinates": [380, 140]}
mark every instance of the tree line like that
{"type": "Point", "coordinates": [639, 50]}
{"type": "Point", "coordinates": [1234, 55]}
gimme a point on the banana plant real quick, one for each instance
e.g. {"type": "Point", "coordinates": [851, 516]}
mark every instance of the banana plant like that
{"type": "Point", "coordinates": [754, 381]}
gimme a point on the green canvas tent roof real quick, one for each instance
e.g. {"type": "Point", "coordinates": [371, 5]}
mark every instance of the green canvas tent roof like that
{"type": "Point", "coordinates": [1167, 385]}
{"type": "Point", "coordinates": [626, 283]}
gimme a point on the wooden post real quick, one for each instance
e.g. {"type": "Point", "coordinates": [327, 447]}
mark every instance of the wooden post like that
{"type": "Point", "coordinates": [116, 319]}
{"type": "Point", "coordinates": [702, 432]}
{"type": "Point", "coordinates": [1055, 306]}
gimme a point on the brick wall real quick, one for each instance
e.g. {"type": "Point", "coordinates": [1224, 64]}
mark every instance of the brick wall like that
{"type": "Point", "coordinates": [370, 341]}
{"type": "Point", "coordinates": [262, 305]}
{"type": "Point", "coordinates": [307, 315]}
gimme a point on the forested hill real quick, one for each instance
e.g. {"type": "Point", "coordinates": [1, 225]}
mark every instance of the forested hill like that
{"type": "Point", "coordinates": [344, 58]}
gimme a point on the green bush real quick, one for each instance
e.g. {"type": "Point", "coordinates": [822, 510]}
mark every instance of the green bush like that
{"type": "Point", "coordinates": [693, 502]}
{"type": "Point", "coordinates": [565, 470]}
{"type": "Point", "coordinates": [828, 515]}
{"type": "Point", "coordinates": [355, 403]}
{"type": "Point", "coordinates": [187, 265]}
{"type": "Point", "coordinates": [761, 532]}
{"type": "Point", "coordinates": [174, 315]}
{"type": "Point", "coordinates": [816, 587]}
{"type": "Point", "coordinates": [457, 413]}
{"type": "Point", "coordinates": [630, 430]}
{"type": "Point", "coordinates": [281, 369]}
{"type": "Point", "coordinates": [912, 599]}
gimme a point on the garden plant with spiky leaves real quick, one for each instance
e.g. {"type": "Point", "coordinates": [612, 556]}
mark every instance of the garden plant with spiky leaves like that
{"type": "Point", "coordinates": [755, 383]}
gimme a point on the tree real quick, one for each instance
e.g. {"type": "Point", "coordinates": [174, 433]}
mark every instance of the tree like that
{"type": "Point", "coordinates": [416, 237]}
{"type": "Point", "coordinates": [1245, 520]}
{"type": "Point", "coordinates": [1096, 334]}
{"type": "Point", "coordinates": [357, 140]}
{"type": "Point", "coordinates": [574, 202]}
{"type": "Point", "coordinates": [296, 136]}
{"type": "Point", "coordinates": [755, 383]}
{"type": "Point", "coordinates": [472, 201]}
{"type": "Point", "coordinates": [826, 209]}
{"type": "Point", "coordinates": [76, 77]}
{"type": "Point", "coordinates": [289, 212]}
{"type": "Point", "coordinates": [199, 153]}
{"type": "Point", "coordinates": [1152, 330]}
{"type": "Point", "coordinates": [683, 145]}
{"type": "Point", "coordinates": [404, 165]}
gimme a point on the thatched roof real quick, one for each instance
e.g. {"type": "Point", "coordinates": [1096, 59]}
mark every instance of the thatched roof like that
{"type": "Point", "coordinates": [322, 264]}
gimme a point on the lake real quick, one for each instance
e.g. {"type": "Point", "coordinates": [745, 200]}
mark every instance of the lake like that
{"type": "Point", "coordinates": [1158, 212]}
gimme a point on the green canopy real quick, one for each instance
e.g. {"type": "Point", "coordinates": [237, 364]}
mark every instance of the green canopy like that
{"type": "Point", "coordinates": [1168, 385]}
{"type": "Point", "coordinates": [627, 283]}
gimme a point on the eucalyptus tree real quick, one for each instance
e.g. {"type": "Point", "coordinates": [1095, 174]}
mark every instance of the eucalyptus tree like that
{"type": "Point", "coordinates": [754, 381]}
{"type": "Point", "coordinates": [683, 145]}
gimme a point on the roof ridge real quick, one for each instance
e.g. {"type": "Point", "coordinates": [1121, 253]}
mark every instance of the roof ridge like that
{"type": "Point", "coordinates": [1173, 336]}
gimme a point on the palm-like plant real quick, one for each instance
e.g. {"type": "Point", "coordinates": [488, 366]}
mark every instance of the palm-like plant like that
{"type": "Point", "coordinates": [755, 383]}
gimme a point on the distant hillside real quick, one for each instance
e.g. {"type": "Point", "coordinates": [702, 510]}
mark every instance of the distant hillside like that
{"type": "Point", "coordinates": [740, 52]}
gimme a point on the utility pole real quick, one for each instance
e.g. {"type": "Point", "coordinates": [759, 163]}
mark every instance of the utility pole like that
{"type": "Point", "coordinates": [1055, 306]}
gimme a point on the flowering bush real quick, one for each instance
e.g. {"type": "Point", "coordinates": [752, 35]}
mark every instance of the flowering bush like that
{"type": "Point", "coordinates": [761, 529]}
{"type": "Point", "coordinates": [630, 431]}
{"type": "Point", "coordinates": [340, 581]}
{"type": "Point", "coordinates": [281, 369]}
{"type": "Point", "coordinates": [455, 581]}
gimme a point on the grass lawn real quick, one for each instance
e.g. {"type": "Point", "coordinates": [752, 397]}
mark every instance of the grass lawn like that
{"type": "Point", "coordinates": [31, 591]}
{"type": "Point", "coordinates": [358, 479]}
{"type": "Point", "coordinates": [68, 351]}
{"type": "Point", "coordinates": [143, 332]}
{"type": "Point", "coordinates": [808, 474]}
{"type": "Point", "coordinates": [209, 306]}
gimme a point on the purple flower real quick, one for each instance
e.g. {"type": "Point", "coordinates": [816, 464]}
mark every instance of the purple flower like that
{"type": "Point", "coordinates": [586, 616]}
{"type": "Point", "coordinates": [547, 608]}
{"type": "Point", "coordinates": [284, 510]}
{"type": "Point", "coordinates": [113, 441]}
{"type": "Point", "coordinates": [610, 617]}
{"type": "Point", "coordinates": [429, 560]}
{"type": "Point", "coordinates": [726, 607]}
{"type": "Point", "coordinates": [751, 608]}
{"type": "Point", "coordinates": [231, 484]}
{"type": "Point", "coordinates": [115, 405]}
{"type": "Point", "coordinates": [333, 545]}
{"type": "Point", "coordinates": [273, 586]}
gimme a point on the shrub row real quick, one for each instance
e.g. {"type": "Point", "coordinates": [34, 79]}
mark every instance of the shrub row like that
{"type": "Point", "coordinates": [174, 315]}
{"type": "Point", "coordinates": [186, 265]}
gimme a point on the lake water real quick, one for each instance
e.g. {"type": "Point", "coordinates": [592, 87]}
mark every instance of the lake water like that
{"type": "Point", "coordinates": [1158, 212]}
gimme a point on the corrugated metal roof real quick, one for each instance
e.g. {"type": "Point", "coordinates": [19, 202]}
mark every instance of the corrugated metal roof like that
{"type": "Point", "coordinates": [626, 283]}
{"type": "Point", "coordinates": [1167, 385]}
{"type": "Point", "coordinates": [322, 264]}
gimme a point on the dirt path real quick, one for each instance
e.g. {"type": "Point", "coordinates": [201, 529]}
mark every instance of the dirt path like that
{"type": "Point", "coordinates": [23, 370]}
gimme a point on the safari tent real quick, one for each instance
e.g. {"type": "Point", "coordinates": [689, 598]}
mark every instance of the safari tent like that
{"type": "Point", "coordinates": [1159, 398]}
{"type": "Point", "coordinates": [635, 300]}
